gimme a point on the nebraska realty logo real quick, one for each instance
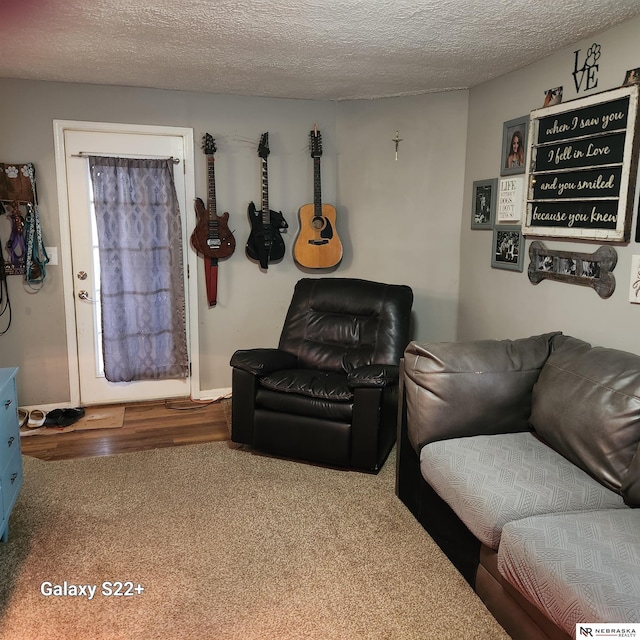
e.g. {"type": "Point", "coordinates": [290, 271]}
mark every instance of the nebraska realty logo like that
{"type": "Point", "coordinates": [608, 630]}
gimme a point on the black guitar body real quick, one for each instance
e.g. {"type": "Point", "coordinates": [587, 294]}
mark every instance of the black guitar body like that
{"type": "Point", "coordinates": [265, 243]}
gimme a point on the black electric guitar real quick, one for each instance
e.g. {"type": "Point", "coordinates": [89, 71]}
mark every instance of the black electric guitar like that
{"type": "Point", "coordinates": [317, 245]}
{"type": "Point", "coordinates": [265, 243]}
{"type": "Point", "coordinates": [211, 237]}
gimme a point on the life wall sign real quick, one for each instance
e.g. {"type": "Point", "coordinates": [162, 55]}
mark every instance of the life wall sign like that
{"type": "Point", "coordinates": [581, 167]}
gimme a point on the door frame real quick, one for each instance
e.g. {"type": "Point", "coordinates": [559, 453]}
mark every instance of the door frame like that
{"type": "Point", "coordinates": [186, 133]}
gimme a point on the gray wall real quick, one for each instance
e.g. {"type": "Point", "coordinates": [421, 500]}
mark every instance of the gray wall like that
{"type": "Point", "coordinates": [403, 216]}
{"type": "Point", "coordinates": [398, 220]}
{"type": "Point", "coordinates": [503, 304]}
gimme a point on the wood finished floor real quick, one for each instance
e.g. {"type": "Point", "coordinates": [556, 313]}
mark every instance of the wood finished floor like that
{"type": "Point", "coordinates": [147, 425]}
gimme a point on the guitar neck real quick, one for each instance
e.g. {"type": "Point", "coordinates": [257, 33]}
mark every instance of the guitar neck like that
{"type": "Point", "coordinates": [317, 193]}
{"type": "Point", "coordinates": [211, 200]}
{"type": "Point", "coordinates": [265, 193]}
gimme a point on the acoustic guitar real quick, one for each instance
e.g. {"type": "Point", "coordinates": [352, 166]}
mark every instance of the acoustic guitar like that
{"type": "Point", "coordinates": [211, 237]}
{"type": "Point", "coordinates": [317, 245]}
{"type": "Point", "coordinates": [265, 243]}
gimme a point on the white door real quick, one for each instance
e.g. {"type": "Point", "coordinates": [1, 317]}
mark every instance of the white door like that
{"type": "Point", "coordinates": [94, 388]}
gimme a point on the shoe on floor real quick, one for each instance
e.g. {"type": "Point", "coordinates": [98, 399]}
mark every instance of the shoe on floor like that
{"type": "Point", "coordinates": [36, 418]}
{"type": "Point", "coordinates": [63, 417]}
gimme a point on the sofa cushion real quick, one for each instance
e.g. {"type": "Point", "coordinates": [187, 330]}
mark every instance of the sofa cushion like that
{"type": "Point", "coordinates": [468, 388]}
{"type": "Point", "coordinates": [491, 480]}
{"type": "Point", "coordinates": [299, 405]}
{"type": "Point", "coordinates": [586, 404]}
{"type": "Point", "coordinates": [576, 567]}
{"type": "Point", "coordinates": [324, 385]}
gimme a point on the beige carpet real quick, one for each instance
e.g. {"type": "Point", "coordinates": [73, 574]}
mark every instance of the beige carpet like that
{"type": "Point", "coordinates": [228, 545]}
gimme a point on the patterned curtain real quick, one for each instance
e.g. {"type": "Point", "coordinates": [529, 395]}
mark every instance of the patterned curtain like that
{"type": "Point", "coordinates": [141, 275]}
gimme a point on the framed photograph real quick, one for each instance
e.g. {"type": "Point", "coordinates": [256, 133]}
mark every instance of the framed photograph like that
{"type": "Point", "coordinates": [552, 97]}
{"type": "Point", "coordinates": [514, 146]}
{"type": "Point", "coordinates": [582, 164]}
{"type": "Point", "coordinates": [484, 203]}
{"type": "Point", "coordinates": [631, 77]}
{"type": "Point", "coordinates": [508, 248]}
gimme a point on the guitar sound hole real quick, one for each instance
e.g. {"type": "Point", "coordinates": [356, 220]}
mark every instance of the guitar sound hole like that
{"type": "Point", "coordinates": [318, 223]}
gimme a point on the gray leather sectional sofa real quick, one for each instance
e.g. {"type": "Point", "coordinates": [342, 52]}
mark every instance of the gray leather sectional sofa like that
{"type": "Point", "coordinates": [521, 459]}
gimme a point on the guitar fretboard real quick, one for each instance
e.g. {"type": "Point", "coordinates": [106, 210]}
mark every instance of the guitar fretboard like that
{"type": "Point", "coordinates": [265, 193]}
{"type": "Point", "coordinates": [317, 191]}
{"type": "Point", "coordinates": [211, 202]}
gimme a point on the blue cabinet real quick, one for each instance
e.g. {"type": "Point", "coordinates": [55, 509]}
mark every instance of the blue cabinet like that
{"type": "Point", "coordinates": [10, 455]}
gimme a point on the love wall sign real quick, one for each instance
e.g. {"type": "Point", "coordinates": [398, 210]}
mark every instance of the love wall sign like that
{"type": "Point", "coordinates": [581, 168]}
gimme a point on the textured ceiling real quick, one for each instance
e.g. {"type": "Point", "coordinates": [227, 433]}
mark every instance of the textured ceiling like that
{"type": "Point", "coordinates": [317, 49]}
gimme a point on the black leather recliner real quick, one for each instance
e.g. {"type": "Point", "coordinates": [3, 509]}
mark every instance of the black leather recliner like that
{"type": "Point", "coordinates": [329, 392]}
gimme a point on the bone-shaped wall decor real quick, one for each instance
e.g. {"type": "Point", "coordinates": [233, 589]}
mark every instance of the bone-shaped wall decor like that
{"type": "Point", "coordinates": [587, 269]}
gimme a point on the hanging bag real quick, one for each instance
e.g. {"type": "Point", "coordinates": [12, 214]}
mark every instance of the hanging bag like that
{"type": "Point", "coordinates": [18, 186]}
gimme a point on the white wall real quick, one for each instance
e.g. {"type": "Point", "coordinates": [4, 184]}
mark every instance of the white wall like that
{"type": "Point", "coordinates": [503, 304]}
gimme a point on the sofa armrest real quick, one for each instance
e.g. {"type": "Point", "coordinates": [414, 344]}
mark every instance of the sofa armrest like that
{"type": "Point", "coordinates": [374, 375]}
{"type": "Point", "coordinates": [458, 389]}
{"type": "Point", "coordinates": [261, 362]}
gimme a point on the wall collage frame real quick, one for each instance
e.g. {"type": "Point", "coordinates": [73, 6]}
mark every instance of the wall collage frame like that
{"type": "Point", "coordinates": [567, 171]}
{"type": "Point", "coordinates": [497, 202]}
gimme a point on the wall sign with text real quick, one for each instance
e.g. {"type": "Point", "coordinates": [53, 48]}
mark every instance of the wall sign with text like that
{"type": "Point", "coordinates": [510, 200]}
{"type": "Point", "coordinates": [581, 167]}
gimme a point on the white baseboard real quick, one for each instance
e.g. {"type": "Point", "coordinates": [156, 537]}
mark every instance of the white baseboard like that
{"type": "Point", "coordinates": [212, 394]}
{"type": "Point", "coordinates": [206, 395]}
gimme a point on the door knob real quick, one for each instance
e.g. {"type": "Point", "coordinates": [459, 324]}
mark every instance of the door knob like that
{"type": "Point", "coordinates": [84, 295]}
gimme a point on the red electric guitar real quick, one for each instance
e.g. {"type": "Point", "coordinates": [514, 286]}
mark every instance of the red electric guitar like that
{"type": "Point", "coordinates": [211, 237]}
